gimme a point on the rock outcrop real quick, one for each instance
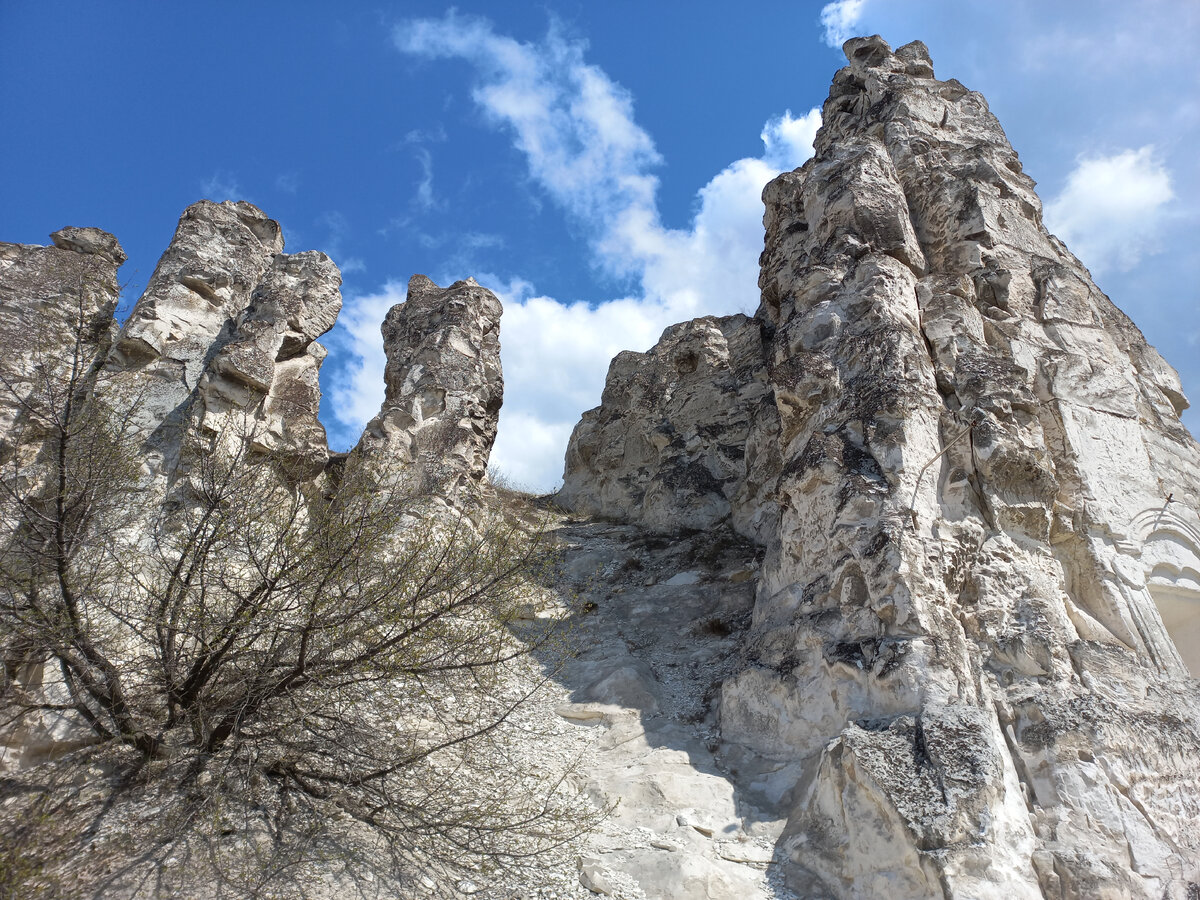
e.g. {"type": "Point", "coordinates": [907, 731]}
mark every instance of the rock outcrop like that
{"type": "Point", "coordinates": [220, 347]}
{"type": "Point", "coordinates": [676, 441]}
{"type": "Point", "coordinates": [223, 343]}
{"type": "Point", "coordinates": [56, 309]}
{"type": "Point", "coordinates": [444, 386]}
{"type": "Point", "coordinates": [169, 505]}
{"type": "Point", "coordinates": [981, 587]}
{"type": "Point", "coordinates": [942, 561]}
{"type": "Point", "coordinates": [270, 363]}
{"type": "Point", "coordinates": [224, 339]}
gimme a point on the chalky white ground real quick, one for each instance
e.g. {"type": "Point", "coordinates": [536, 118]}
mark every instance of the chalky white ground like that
{"type": "Point", "coordinates": [635, 711]}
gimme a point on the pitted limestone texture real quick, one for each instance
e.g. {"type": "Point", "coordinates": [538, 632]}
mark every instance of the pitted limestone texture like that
{"type": "Point", "coordinates": [976, 610]}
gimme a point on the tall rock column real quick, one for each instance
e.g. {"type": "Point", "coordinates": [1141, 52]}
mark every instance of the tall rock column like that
{"type": "Point", "coordinates": [56, 325]}
{"type": "Point", "coordinates": [220, 351]}
{"type": "Point", "coordinates": [977, 629]}
{"type": "Point", "coordinates": [443, 385]}
{"type": "Point", "coordinates": [56, 309]}
{"type": "Point", "coordinates": [204, 279]}
{"type": "Point", "coordinates": [984, 475]}
{"type": "Point", "coordinates": [223, 340]}
{"type": "Point", "coordinates": [264, 377]}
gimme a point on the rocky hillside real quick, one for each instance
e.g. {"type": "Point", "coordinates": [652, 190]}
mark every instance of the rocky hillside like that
{"type": "Point", "coordinates": [891, 589]}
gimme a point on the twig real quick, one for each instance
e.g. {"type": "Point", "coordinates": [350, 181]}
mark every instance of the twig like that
{"type": "Point", "coordinates": [912, 506]}
{"type": "Point", "coordinates": [1158, 518]}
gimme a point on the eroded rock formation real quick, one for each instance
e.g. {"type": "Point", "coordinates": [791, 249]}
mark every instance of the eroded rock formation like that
{"type": "Point", "coordinates": [167, 490]}
{"type": "Point", "coordinates": [221, 351]}
{"type": "Point", "coordinates": [960, 661]}
{"type": "Point", "coordinates": [444, 385]}
{"type": "Point", "coordinates": [224, 342]}
{"type": "Point", "coordinates": [677, 439]}
{"type": "Point", "coordinates": [223, 339]}
{"type": "Point", "coordinates": [56, 309]}
{"type": "Point", "coordinates": [978, 603]}
{"type": "Point", "coordinates": [270, 362]}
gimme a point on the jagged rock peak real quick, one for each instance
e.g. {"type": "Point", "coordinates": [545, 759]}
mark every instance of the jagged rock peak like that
{"type": "Point", "coordinates": [873, 52]}
{"type": "Point", "coordinates": [218, 255]}
{"type": "Point", "coordinates": [89, 241]}
{"type": "Point", "coordinates": [269, 362]}
{"type": "Point", "coordinates": [443, 383]}
{"type": "Point", "coordinates": [222, 341]}
{"type": "Point", "coordinates": [980, 599]}
{"type": "Point", "coordinates": [49, 297]}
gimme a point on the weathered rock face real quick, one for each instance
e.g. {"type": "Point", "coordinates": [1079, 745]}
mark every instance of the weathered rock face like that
{"type": "Point", "coordinates": [270, 362]}
{"type": "Point", "coordinates": [671, 444]}
{"type": "Point", "coordinates": [223, 339]}
{"type": "Point", "coordinates": [220, 351]}
{"type": "Point", "coordinates": [444, 385]}
{"type": "Point", "coordinates": [221, 345]}
{"type": "Point", "coordinates": [56, 308]}
{"type": "Point", "coordinates": [222, 342]}
{"type": "Point", "coordinates": [977, 611]}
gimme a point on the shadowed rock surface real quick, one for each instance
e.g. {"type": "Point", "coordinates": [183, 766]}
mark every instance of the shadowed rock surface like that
{"type": "Point", "coordinates": [56, 309]}
{"type": "Point", "coordinates": [271, 361]}
{"type": "Point", "coordinates": [223, 340]}
{"type": "Point", "coordinates": [676, 441]}
{"type": "Point", "coordinates": [978, 608]}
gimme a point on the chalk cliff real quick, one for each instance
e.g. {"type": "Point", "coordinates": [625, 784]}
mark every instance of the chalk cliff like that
{"type": "Point", "coordinates": [443, 384]}
{"type": "Point", "coordinates": [224, 342]}
{"type": "Point", "coordinates": [56, 315]}
{"type": "Point", "coordinates": [980, 597]}
{"type": "Point", "coordinates": [224, 339]}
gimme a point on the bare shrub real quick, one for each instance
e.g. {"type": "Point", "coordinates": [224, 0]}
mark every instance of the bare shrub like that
{"type": "Point", "coordinates": [235, 681]}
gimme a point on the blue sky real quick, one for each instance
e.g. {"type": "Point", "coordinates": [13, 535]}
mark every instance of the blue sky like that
{"type": "Point", "coordinates": [598, 165]}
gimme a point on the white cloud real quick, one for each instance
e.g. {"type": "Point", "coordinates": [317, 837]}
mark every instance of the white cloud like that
{"type": "Point", "coordinates": [477, 240]}
{"type": "Point", "coordinates": [357, 391]}
{"type": "Point", "coordinates": [287, 182]}
{"type": "Point", "coordinates": [787, 141]}
{"type": "Point", "coordinates": [221, 186]}
{"type": "Point", "coordinates": [555, 357]}
{"type": "Point", "coordinates": [574, 125]}
{"type": "Point", "coordinates": [425, 135]}
{"type": "Point", "coordinates": [423, 197]}
{"type": "Point", "coordinates": [1111, 210]}
{"type": "Point", "coordinates": [577, 131]}
{"type": "Point", "coordinates": [840, 19]}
